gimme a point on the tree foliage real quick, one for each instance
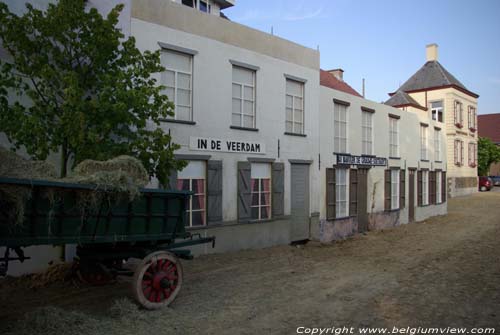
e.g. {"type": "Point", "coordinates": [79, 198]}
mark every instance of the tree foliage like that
{"type": "Point", "coordinates": [488, 153]}
{"type": "Point", "coordinates": [75, 85]}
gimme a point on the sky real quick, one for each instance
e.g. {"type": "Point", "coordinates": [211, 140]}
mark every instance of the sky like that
{"type": "Point", "coordinates": [384, 41]}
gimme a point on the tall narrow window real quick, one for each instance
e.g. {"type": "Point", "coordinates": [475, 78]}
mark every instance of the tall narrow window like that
{"type": "Point", "coordinates": [367, 132]}
{"type": "Point", "coordinates": [261, 191]}
{"type": "Point", "coordinates": [393, 137]}
{"type": "Point", "coordinates": [423, 143]}
{"type": "Point", "coordinates": [294, 107]}
{"type": "Point", "coordinates": [394, 189]}
{"type": "Point", "coordinates": [458, 114]}
{"type": "Point", "coordinates": [340, 127]}
{"type": "Point", "coordinates": [472, 118]}
{"type": "Point", "coordinates": [204, 6]}
{"type": "Point", "coordinates": [437, 110]}
{"type": "Point", "coordinates": [472, 155]}
{"type": "Point", "coordinates": [437, 144]}
{"type": "Point", "coordinates": [177, 79]}
{"type": "Point", "coordinates": [193, 178]}
{"type": "Point", "coordinates": [341, 193]}
{"type": "Point", "coordinates": [243, 114]}
{"type": "Point", "coordinates": [439, 181]}
{"type": "Point", "coordinates": [425, 187]}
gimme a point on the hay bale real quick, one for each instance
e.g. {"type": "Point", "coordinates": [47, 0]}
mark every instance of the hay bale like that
{"type": "Point", "coordinates": [12, 197]}
{"type": "Point", "coordinates": [15, 166]}
{"type": "Point", "coordinates": [123, 175]}
{"type": "Point", "coordinates": [123, 166]}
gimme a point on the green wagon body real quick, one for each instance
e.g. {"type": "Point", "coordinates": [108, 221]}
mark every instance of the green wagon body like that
{"type": "Point", "coordinates": [151, 228]}
{"type": "Point", "coordinates": [157, 217]}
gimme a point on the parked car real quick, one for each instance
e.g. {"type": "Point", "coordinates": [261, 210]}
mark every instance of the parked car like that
{"type": "Point", "coordinates": [496, 180]}
{"type": "Point", "coordinates": [485, 183]}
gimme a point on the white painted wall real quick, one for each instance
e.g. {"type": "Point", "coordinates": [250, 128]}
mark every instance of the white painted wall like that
{"type": "Point", "coordinates": [212, 106]}
{"type": "Point", "coordinates": [409, 147]}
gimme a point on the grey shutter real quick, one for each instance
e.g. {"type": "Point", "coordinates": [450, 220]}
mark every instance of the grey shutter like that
{"type": "Point", "coordinates": [387, 190]}
{"type": "Point", "coordinates": [172, 180]}
{"type": "Point", "coordinates": [214, 191]}
{"type": "Point", "coordinates": [402, 188]}
{"type": "Point", "coordinates": [244, 191]}
{"type": "Point", "coordinates": [419, 188]}
{"type": "Point", "coordinates": [432, 187]}
{"type": "Point", "coordinates": [444, 189]}
{"type": "Point", "coordinates": [353, 192]}
{"type": "Point", "coordinates": [278, 180]}
{"type": "Point", "coordinates": [330, 194]}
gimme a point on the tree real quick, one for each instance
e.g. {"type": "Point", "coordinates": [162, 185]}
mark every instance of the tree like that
{"type": "Point", "coordinates": [76, 86]}
{"type": "Point", "coordinates": [488, 153]}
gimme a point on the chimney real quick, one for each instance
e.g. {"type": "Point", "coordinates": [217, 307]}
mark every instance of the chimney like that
{"type": "Point", "coordinates": [432, 52]}
{"type": "Point", "coordinates": [337, 73]}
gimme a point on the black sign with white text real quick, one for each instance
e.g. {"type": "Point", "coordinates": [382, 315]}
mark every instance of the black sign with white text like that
{"type": "Point", "coordinates": [361, 160]}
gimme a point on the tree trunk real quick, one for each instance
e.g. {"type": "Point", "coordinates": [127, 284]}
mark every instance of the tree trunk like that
{"type": "Point", "coordinates": [64, 159]}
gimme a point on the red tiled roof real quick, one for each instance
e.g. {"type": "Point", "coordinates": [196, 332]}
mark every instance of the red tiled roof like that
{"type": "Point", "coordinates": [488, 125]}
{"type": "Point", "coordinates": [328, 80]}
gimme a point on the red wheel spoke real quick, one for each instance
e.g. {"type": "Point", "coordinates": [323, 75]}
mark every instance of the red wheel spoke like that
{"type": "Point", "coordinates": [166, 264]}
{"type": "Point", "coordinates": [152, 296]}
{"type": "Point", "coordinates": [147, 291]}
{"type": "Point", "coordinates": [158, 296]}
{"type": "Point", "coordinates": [146, 282]}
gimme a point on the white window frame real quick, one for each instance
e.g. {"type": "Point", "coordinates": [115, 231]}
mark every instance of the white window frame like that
{"type": "Point", "coordinates": [425, 187]}
{"type": "Point", "coordinates": [341, 185]}
{"type": "Point", "coordinates": [176, 88]}
{"type": "Point", "coordinates": [260, 192]}
{"type": "Point", "coordinates": [439, 178]}
{"type": "Point", "coordinates": [436, 111]}
{"type": "Point", "coordinates": [393, 137]}
{"type": "Point", "coordinates": [189, 209]}
{"type": "Point", "coordinates": [295, 108]}
{"type": "Point", "coordinates": [437, 145]}
{"type": "Point", "coordinates": [242, 112]}
{"type": "Point", "coordinates": [341, 144]}
{"type": "Point", "coordinates": [395, 188]}
{"type": "Point", "coordinates": [424, 143]}
{"type": "Point", "coordinates": [367, 132]}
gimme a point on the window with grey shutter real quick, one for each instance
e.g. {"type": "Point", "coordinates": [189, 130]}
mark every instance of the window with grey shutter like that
{"type": "Point", "coordinates": [432, 187]}
{"type": "Point", "coordinates": [443, 186]}
{"type": "Point", "coordinates": [330, 194]}
{"type": "Point", "coordinates": [353, 192]}
{"type": "Point", "coordinates": [387, 190]}
{"type": "Point", "coordinates": [244, 191]}
{"type": "Point", "coordinates": [419, 188]}
{"type": "Point", "coordinates": [402, 189]}
{"type": "Point", "coordinates": [214, 191]}
{"type": "Point", "coordinates": [278, 189]}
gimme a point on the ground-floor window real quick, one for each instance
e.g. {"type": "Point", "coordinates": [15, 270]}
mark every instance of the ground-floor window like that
{"type": "Point", "coordinates": [193, 178]}
{"type": "Point", "coordinates": [341, 193]}
{"type": "Point", "coordinates": [439, 198]}
{"type": "Point", "coordinates": [394, 189]}
{"type": "Point", "coordinates": [425, 187]}
{"type": "Point", "coordinates": [261, 191]}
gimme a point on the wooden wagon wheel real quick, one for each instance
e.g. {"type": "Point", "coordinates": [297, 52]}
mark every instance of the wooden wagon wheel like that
{"type": "Point", "coordinates": [157, 280]}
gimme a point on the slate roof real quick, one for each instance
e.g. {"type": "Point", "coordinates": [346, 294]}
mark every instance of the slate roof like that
{"type": "Point", "coordinates": [488, 125]}
{"type": "Point", "coordinates": [433, 75]}
{"type": "Point", "coordinates": [402, 99]}
{"type": "Point", "coordinates": [329, 80]}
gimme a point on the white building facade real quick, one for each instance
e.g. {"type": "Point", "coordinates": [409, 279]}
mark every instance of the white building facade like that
{"type": "Point", "coordinates": [273, 156]}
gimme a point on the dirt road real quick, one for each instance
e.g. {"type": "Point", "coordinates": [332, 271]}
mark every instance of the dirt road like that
{"type": "Point", "coordinates": [442, 272]}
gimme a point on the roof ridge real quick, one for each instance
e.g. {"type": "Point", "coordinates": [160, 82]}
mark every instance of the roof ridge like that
{"type": "Point", "coordinates": [441, 69]}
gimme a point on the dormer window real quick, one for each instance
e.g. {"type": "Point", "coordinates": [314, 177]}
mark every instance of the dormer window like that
{"type": "Point", "coordinates": [437, 111]}
{"type": "Point", "coordinates": [201, 5]}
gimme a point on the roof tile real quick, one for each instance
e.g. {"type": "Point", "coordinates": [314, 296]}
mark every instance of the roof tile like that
{"type": "Point", "coordinates": [328, 80]}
